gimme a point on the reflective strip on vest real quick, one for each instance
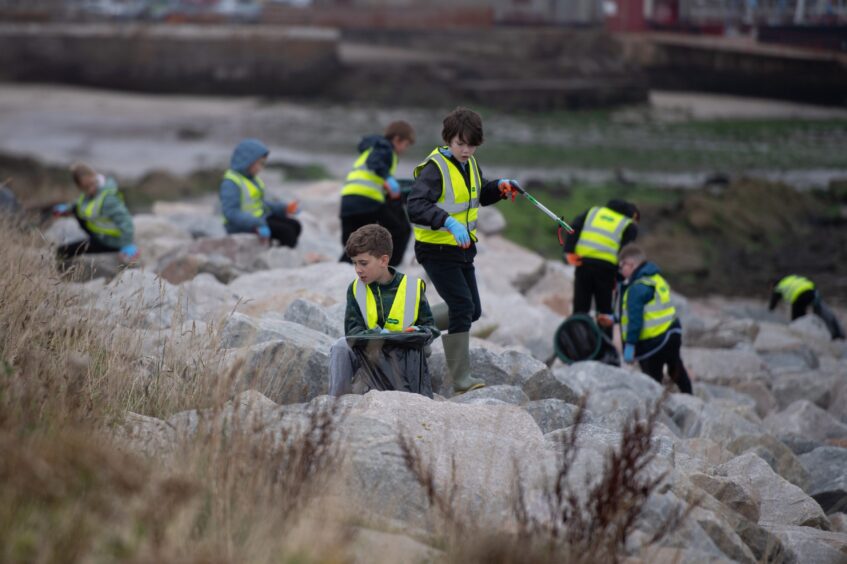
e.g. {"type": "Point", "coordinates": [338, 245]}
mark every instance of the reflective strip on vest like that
{"type": "Point", "coordinates": [659, 313]}
{"type": "Point", "coordinates": [362, 181]}
{"type": "Point", "coordinates": [601, 234]}
{"type": "Point", "coordinates": [89, 212]}
{"type": "Point", "coordinates": [456, 199]}
{"type": "Point", "coordinates": [404, 308]}
{"type": "Point", "coordinates": [252, 194]}
{"type": "Point", "coordinates": [792, 286]}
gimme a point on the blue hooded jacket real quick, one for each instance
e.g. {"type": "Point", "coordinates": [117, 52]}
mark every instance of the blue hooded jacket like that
{"type": "Point", "coordinates": [638, 295]}
{"type": "Point", "coordinates": [245, 154]}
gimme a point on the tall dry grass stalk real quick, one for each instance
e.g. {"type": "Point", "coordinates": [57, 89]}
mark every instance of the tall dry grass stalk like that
{"type": "Point", "coordinates": [572, 522]}
{"type": "Point", "coordinates": [70, 491]}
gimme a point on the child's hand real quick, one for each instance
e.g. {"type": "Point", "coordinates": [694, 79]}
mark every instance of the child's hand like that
{"type": "Point", "coordinates": [393, 188]}
{"type": "Point", "coordinates": [60, 210]}
{"type": "Point", "coordinates": [264, 233]}
{"type": "Point", "coordinates": [293, 207]}
{"type": "Point", "coordinates": [509, 188]}
{"type": "Point", "coordinates": [573, 259]}
{"type": "Point", "coordinates": [629, 353]}
{"type": "Point", "coordinates": [459, 232]}
{"type": "Point", "coordinates": [411, 329]}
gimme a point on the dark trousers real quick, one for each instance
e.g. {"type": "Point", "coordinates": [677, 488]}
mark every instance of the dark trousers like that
{"type": "Point", "coordinates": [91, 245]}
{"type": "Point", "coordinates": [392, 216]}
{"type": "Point", "coordinates": [593, 281]}
{"type": "Point", "coordinates": [669, 356]}
{"type": "Point", "coordinates": [286, 230]}
{"type": "Point", "coordinates": [802, 303]}
{"type": "Point", "coordinates": [456, 283]}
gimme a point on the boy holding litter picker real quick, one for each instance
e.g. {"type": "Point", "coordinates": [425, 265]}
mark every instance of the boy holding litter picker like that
{"type": "Point", "coordinates": [443, 207]}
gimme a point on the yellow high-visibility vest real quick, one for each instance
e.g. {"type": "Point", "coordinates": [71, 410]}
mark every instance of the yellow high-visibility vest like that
{"type": "Point", "coordinates": [404, 308]}
{"type": "Point", "coordinates": [252, 193]}
{"type": "Point", "coordinates": [457, 199]}
{"type": "Point", "coordinates": [89, 212]}
{"type": "Point", "coordinates": [659, 313]}
{"type": "Point", "coordinates": [362, 181]}
{"type": "Point", "coordinates": [792, 286]}
{"type": "Point", "coordinates": [601, 234]}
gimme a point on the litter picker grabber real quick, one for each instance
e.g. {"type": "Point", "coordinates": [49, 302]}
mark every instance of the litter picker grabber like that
{"type": "Point", "coordinates": [558, 219]}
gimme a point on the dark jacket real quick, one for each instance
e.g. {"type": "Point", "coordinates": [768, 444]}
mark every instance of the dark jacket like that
{"type": "Point", "coordinates": [246, 153]}
{"type": "Point", "coordinates": [638, 296]}
{"type": "Point", "coordinates": [354, 322]}
{"type": "Point", "coordinates": [629, 235]}
{"type": "Point", "coordinates": [422, 210]}
{"type": "Point", "coordinates": [379, 162]}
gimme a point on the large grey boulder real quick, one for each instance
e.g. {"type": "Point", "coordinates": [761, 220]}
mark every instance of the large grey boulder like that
{"type": "Point", "coordinates": [610, 389]}
{"type": "Point", "coordinates": [552, 414]}
{"type": "Point", "coordinates": [696, 418]}
{"type": "Point", "coordinates": [136, 298]}
{"type": "Point", "coordinates": [291, 369]}
{"type": "Point", "coordinates": [485, 444]}
{"type": "Point", "coordinates": [242, 330]}
{"type": "Point", "coordinates": [65, 230]}
{"type": "Point", "coordinates": [812, 385]}
{"type": "Point", "coordinates": [91, 266]}
{"type": "Point", "coordinates": [805, 419]}
{"type": "Point", "coordinates": [554, 289]}
{"type": "Point", "coordinates": [783, 461]}
{"type": "Point", "coordinates": [718, 333]}
{"type": "Point", "coordinates": [490, 221]}
{"type": "Point", "coordinates": [508, 318]}
{"type": "Point", "coordinates": [312, 315]}
{"type": "Point", "coordinates": [812, 545]}
{"type": "Point", "coordinates": [780, 502]}
{"type": "Point", "coordinates": [723, 366]}
{"type": "Point", "coordinates": [149, 227]}
{"type": "Point", "coordinates": [783, 351]}
{"type": "Point", "coordinates": [507, 394]}
{"type": "Point", "coordinates": [730, 493]}
{"type": "Point", "coordinates": [147, 435]}
{"type": "Point", "coordinates": [838, 403]}
{"type": "Point", "coordinates": [494, 365]}
{"type": "Point", "coordinates": [827, 467]}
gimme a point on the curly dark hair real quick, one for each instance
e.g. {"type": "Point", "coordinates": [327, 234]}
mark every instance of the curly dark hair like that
{"type": "Point", "coordinates": [373, 239]}
{"type": "Point", "coordinates": [464, 123]}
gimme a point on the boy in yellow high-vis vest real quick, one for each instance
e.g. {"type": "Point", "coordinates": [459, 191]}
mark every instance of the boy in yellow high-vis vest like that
{"type": "Point", "coordinates": [371, 193]}
{"type": "Point", "coordinates": [380, 300]}
{"type": "Point", "coordinates": [650, 328]}
{"type": "Point", "coordinates": [443, 207]}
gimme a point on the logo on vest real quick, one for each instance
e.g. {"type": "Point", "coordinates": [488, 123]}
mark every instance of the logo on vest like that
{"type": "Point", "coordinates": [392, 320]}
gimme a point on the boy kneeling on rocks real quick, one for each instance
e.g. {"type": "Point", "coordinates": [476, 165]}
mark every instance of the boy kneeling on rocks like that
{"type": "Point", "coordinates": [650, 328]}
{"type": "Point", "coordinates": [380, 301]}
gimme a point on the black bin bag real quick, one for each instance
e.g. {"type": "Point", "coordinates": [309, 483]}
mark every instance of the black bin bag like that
{"type": "Point", "coordinates": [579, 338]}
{"type": "Point", "coordinates": [393, 361]}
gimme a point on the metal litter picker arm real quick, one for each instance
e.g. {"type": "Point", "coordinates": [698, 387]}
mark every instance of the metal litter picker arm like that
{"type": "Point", "coordinates": [546, 211]}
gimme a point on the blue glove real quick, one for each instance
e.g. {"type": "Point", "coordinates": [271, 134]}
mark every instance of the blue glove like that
{"type": "Point", "coordinates": [129, 252]}
{"type": "Point", "coordinates": [61, 209]}
{"type": "Point", "coordinates": [393, 187]}
{"type": "Point", "coordinates": [383, 331]}
{"type": "Point", "coordinates": [629, 353]}
{"type": "Point", "coordinates": [459, 232]}
{"type": "Point", "coordinates": [264, 232]}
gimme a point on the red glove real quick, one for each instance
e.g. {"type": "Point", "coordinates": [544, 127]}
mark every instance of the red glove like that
{"type": "Point", "coordinates": [573, 259]}
{"type": "Point", "coordinates": [410, 329]}
{"type": "Point", "coordinates": [293, 207]}
{"type": "Point", "coordinates": [509, 188]}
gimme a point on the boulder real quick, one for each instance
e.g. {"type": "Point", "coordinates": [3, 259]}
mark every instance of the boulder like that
{"type": "Point", "coordinates": [827, 467]}
{"type": "Point", "coordinates": [838, 403]}
{"type": "Point", "coordinates": [481, 445]}
{"type": "Point", "coordinates": [97, 265]}
{"type": "Point", "coordinates": [490, 221]}
{"type": "Point", "coordinates": [724, 367]}
{"type": "Point", "coordinates": [149, 227]}
{"type": "Point", "coordinates": [718, 333]}
{"type": "Point", "coordinates": [137, 298]}
{"type": "Point", "coordinates": [813, 385]}
{"type": "Point", "coordinates": [783, 351]}
{"type": "Point", "coordinates": [552, 414]}
{"type": "Point", "coordinates": [783, 461]}
{"type": "Point", "coordinates": [554, 288]}
{"type": "Point", "coordinates": [780, 502]}
{"type": "Point", "coordinates": [609, 388]}
{"type": "Point", "coordinates": [695, 418]}
{"type": "Point", "coordinates": [365, 544]}
{"type": "Point", "coordinates": [313, 316]}
{"type": "Point", "coordinates": [811, 544]}
{"type": "Point", "coordinates": [550, 384]}
{"type": "Point", "coordinates": [147, 435]}
{"type": "Point", "coordinates": [730, 493]}
{"type": "Point", "coordinates": [293, 368]}
{"type": "Point", "coordinates": [495, 366]}
{"type": "Point", "coordinates": [508, 318]}
{"type": "Point", "coordinates": [507, 394]}
{"type": "Point", "coordinates": [761, 394]}
{"type": "Point", "coordinates": [839, 522]}
{"type": "Point", "coordinates": [327, 279]}
{"type": "Point", "coordinates": [805, 419]}
{"type": "Point", "coordinates": [65, 230]}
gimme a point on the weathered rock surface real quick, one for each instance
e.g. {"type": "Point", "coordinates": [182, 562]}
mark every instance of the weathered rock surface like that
{"type": "Point", "coordinates": [827, 467]}
{"type": "Point", "coordinates": [724, 367]}
{"type": "Point", "coordinates": [805, 419]}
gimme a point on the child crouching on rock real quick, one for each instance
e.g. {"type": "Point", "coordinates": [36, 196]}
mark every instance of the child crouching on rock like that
{"type": "Point", "coordinates": [650, 328]}
{"type": "Point", "coordinates": [382, 305]}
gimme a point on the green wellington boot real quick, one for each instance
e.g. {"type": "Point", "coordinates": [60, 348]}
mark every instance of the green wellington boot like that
{"type": "Point", "coordinates": [441, 314]}
{"type": "Point", "coordinates": [458, 355]}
